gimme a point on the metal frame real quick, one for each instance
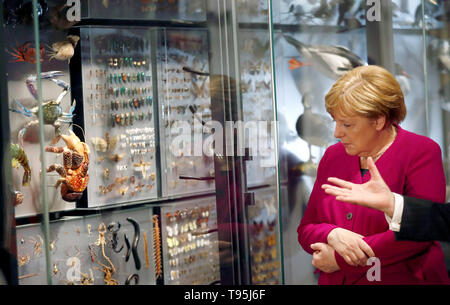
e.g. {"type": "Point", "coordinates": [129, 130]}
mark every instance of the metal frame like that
{"type": "Point", "coordinates": [229, 169]}
{"type": "Point", "coordinates": [8, 248]}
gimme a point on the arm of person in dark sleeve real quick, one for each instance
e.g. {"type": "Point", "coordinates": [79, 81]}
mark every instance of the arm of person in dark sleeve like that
{"type": "Point", "coordinates": [423, 220]}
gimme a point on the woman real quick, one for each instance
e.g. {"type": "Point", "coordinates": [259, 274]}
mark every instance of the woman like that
{"type": "Point", "coordinates": [367, 105]}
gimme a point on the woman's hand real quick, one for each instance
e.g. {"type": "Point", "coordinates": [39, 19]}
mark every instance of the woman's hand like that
{"type": "Point", "coordinates": [323, 258]}
{"type": "Point", "coordinates": [350, 246]}
{"type": "Point", "coordinates": [373, 194]}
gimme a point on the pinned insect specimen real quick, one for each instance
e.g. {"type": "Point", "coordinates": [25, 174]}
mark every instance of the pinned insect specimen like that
{"type": "Point", "coordinates": [37, 245]}
{"type": "Point", "coordinates": [64, 50]}
{"type": "Point", "coordinates": [113, 236]}
{"type": "Point", "coordinates": [74, 173]}
{"type": "Point", "coordinates": [87, 279]}
{"type": "Point", "coordinates": [114, 158]}
{"type": "Point", "coordinates": [157, 246]}
{"type": "Point", "coordinates": [142, 166]}
{"type": "Point", "coordinates": [25, 53]}
{"type": "Point", "coordinates": [147, 260]}
{"type": "Point", "coordinates": [52, 111]}
{"type": "Point", "coordinates": [92, 252]}
{"type": "Point", "coordinates": [106, 173]}
{"type": "Point", "coordinates": [121, 180]}
{"type": "Point", "coordinates": [105, 190]}
{"type": "Point", "coordinates": [199, 91]}
{"type": "Point", "coordinates": [23, 260]}
{"type": "Point", "coordinates": [52, 245]}
{"type": "Point", "coordinates": [19, 156]}
{"type": "Point", "coordinates": [55, 269]}
{"type": "Point", "coordinates": [108, 271]}
{"type": "Point", "coordinates": [123, 190]}
{"type": "Point", "coordinates": [105, 144]}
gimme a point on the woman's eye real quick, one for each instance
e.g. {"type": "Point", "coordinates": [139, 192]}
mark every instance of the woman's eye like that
{"type": "Point", "coordinates": [347, 125]}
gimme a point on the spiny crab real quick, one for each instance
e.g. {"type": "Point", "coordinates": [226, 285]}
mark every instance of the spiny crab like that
{"type": "Point", "coordinates": [52, 111]}
{"type": "Point", "coordinates": [74, 171]}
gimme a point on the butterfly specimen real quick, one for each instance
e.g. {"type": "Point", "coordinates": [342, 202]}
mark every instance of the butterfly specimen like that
{"type": "Point", "coordinates": [199, 91]}
{"type": "Point", "coordinates": [105, 144]}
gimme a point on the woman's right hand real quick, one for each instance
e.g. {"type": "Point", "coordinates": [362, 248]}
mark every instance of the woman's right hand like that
{"type": "Point", "coordinates": [350, 246]}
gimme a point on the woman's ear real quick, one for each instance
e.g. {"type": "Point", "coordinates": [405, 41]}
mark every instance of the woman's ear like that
{"type": "Point", "coordinates": [380, 122]}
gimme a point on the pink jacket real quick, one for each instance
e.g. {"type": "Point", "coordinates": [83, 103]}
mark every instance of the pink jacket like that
{"type": "Point", "coordinates": [411, 166]}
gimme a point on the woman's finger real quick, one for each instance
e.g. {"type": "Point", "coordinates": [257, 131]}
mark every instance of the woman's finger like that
{"type": "Point", "coordinates": [354, 258]}
{"type": "Point", "coordinates": [362, 258]}
{"type": "Point", "coordinates": [349, 260]}
{"type": "Point", "coordinates": [366, 248]}
{"type": "Point", "coordinates": [341, 183]}
{"type": "Point", "coordinates": [336, 192]}
{"type": "Point", "coordinates": [333, 192]}
{"type": "Point", "coordinates": [335, 189]}
{"type": "Point", "coordinates": [374, 173]}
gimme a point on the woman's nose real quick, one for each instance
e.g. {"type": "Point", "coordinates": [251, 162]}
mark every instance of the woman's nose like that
{"type": "Point", "coordinates": [337, 132]}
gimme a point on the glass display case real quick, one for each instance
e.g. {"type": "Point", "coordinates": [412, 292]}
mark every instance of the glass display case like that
{"type": "Point", "coordinates": [118, 107]}
{"type": "Point", "coordinates": [185, 109]}
{"type": "Point", "coordinates": [407, 37]}
{"type": "Point", "coordinates": [177, 142]}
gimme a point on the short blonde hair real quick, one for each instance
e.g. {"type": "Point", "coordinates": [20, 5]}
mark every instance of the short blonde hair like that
{"type": "Point", "coordinates": [368, 91]}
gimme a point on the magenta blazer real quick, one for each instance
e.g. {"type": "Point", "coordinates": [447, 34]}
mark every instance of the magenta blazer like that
{"type": "Point", "coordinates": [411, 166]}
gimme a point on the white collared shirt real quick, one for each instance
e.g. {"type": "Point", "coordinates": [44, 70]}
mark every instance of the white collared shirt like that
{"type": "Point", "coordinates": [395, 221]}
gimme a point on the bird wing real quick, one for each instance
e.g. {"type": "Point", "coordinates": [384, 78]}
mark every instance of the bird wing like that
{"type": "Point", "coordinates": [354, 59]}
{"type": "Point", "coordinates": [330, 64]}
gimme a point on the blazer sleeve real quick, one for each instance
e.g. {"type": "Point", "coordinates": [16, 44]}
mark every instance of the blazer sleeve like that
{"type": "Point", "coordinates": [311, 230]}
{"type": "Point", "coordinates": [424, 179]}
{"type": "Point", "coordinates": [423, 220]}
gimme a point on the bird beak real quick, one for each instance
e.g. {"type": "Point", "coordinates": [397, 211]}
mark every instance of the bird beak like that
{"type": "Point", "coordinates": [406, 75]}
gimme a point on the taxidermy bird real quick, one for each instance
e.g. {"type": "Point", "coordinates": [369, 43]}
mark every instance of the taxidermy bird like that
{"type": "Point", "coordinates": [312, 127]}
{"type": "Point", "coordinates": [403, 79]}
{"type": "Point", "coordinates": [431, 9]}
{"type": "Point", "coordinates": [332, 61]}
{"type": "Point", "coordinates": [315, 129]}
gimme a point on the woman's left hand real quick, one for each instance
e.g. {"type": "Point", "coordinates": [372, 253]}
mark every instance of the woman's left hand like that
{"type": "Point", "coordinates": [323, 258]}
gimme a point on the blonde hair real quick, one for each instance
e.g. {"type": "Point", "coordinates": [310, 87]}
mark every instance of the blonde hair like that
{"type": "Point", "coordinates": [368, 91]}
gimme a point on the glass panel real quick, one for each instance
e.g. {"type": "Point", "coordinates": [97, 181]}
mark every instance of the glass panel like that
{"type": "Point", "coordinates": [27, 87]}
{"type": "Point", "coordinates": [185, 107]}
{"type": "Point", "coordinates": [307, 31]}
{"type": "Point", "coordinates": [134, 95]}
{"type": "Point", "coordinates": [421, 48]}
{"type": "Point", "coordinates": [258, 112]}
{"type": "Point", "coordinates": [159, 10]}
{"type": "Point", "coordinates": [189, 231]}
{"type": "Point", "coordinates": [409, 38]}
{"type": "Point", "coordinates": [436, 22]}
{"type": "Point", "coordinates": [118, 105]}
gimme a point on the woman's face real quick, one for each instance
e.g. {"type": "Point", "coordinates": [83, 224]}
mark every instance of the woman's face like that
{"type": "Point", "coordinates": [359, 135]}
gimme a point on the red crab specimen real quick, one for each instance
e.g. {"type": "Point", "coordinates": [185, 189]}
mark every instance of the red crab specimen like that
{"type": "Point", "coordinates": [23, 53]}
{"type": "Point", "coordinates": [74, 172]}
